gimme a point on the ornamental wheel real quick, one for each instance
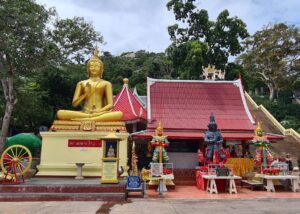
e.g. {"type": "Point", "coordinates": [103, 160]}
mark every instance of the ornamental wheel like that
{"type": "Point", "coordinates": [16, 160]}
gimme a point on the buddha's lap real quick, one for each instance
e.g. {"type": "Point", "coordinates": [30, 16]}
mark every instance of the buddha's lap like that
{"type": "Point", "coordinates": [73, 115]}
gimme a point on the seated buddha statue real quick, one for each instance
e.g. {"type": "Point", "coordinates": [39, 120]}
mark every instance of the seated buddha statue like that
{"type": "Point", "coordinates": [111, 152]}
{"type": "Point", "coordinates": [96, 95]}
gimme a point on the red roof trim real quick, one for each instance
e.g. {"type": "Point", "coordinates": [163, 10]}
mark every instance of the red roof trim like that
{"type": "Point", "coordinates": [200, 135]}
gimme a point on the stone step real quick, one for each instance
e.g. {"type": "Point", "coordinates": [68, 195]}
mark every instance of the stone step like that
{"type": "Point", "coordinates": [61, 196]}
{"type": "Point", "coordinates": [184, 173]}
{"type": "Point", "coordinates": [155, 186]}
{"type": "Point", "coordinates": [60, 189]}
{"type": "Point", "coordinates": [187, 180]}
{"type": "Point", "coordinates": [184, 177]}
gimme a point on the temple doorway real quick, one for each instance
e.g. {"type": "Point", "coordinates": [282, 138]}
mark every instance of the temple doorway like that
{"type": "Point", "coordinates": [183, 153]}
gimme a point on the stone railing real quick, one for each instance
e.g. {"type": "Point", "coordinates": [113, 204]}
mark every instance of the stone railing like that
{"type": "Point", "coordinates": [289, 132]}
{"type": "Point", "coordinates": [293, 133]}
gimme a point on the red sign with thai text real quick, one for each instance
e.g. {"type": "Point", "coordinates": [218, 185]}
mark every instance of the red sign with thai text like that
{"type": "Point", "coordinates": [84, 143]}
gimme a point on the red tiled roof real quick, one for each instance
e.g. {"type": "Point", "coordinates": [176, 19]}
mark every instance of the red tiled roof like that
{"type": "Point", "coordinates": [186, 105]}
{"type": "Point", "coordinates": [200, 135]}
{"type": "Point", "coordinates": [127, 103]}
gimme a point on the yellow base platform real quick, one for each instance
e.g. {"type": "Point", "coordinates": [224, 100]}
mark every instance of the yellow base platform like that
{"type": "Point", "coordinates": [58, 158]}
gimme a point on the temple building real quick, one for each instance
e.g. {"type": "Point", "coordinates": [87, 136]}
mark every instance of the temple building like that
{"type": "Point", "coordinates": [134, 113]}
{"type": "Point", "coordinates": [184, 106]}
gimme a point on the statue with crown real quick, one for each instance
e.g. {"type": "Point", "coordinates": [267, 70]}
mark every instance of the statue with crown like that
{"type": "Point", "coordinates": [213, 139]}
{"type": "Point", "coordinates": [160, 166]}
{"type": "Point", "coordinates": [159, 142]}
{"type": "Point", "coordinates": [264, 156]}
{"type": "Point", "coordinates": [75, 136]}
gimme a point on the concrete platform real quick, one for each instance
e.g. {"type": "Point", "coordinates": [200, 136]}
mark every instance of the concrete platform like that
{"type": "Point", "coordinates": [62, 189]}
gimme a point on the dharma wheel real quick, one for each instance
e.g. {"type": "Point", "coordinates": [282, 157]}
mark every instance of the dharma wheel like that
{"type": "Point", "coordinates": [16, 160]}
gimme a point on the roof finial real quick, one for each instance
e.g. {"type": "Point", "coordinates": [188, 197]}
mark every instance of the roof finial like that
{"type": "Point", "coordinates": [125, 81]}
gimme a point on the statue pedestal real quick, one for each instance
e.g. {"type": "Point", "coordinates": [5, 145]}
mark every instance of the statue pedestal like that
{"type": "Point", "coordinates": [62, 150]}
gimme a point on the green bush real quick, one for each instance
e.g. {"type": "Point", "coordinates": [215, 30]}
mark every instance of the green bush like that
{"type": "Point", "coordinates": [290, 122]}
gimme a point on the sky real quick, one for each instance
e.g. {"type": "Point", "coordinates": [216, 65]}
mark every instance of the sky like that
{"type": "Point", "coordinates": [132, 25]}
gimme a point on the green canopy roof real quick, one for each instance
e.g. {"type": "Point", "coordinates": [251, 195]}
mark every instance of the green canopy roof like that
{"type": "Point", "coordinates": [31, 141]}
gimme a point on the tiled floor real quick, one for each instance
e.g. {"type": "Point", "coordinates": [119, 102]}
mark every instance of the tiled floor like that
{"type": "Point", "coordinates": [191, 192]}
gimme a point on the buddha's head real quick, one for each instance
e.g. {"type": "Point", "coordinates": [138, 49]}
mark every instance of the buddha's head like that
{"type": "Point", "coordinates": [95, 66]}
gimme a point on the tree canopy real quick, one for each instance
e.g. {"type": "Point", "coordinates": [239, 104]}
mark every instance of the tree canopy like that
{"type": "Point", "coordinates": [188, 59]}
{"type": "Point", "coordinates": [272, 54]}
{"type": "Point", "coordinates": [32, 38]}
{"type": "Point", "coordinates": [222, 36]}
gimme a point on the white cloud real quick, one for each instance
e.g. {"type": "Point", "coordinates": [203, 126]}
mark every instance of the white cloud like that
{"type": "Point", "coordinates": [255, 13]}
{"type": "Point", "coordinates": [131, 25]}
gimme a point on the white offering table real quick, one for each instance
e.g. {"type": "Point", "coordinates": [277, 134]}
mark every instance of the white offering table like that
{"type": "Point", "coordinates": [162, 182]}
{"type": "Point", "coordinates": [212, 186]}
{"type": "Point", "coordinates": [270, 185]}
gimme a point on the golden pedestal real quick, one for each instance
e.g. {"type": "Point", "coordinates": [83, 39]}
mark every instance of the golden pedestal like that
{"type": "Point", "coordinates": [60, 154]}
{"type": "Point", "coordinates": [66, 125]}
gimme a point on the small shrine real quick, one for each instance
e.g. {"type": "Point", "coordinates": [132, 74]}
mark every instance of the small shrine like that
{"type": "Point", "coordinates": [110, 159]}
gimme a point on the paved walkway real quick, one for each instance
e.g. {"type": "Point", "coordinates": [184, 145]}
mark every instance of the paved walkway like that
{"type": "Point", "coordinates": [191, 192]}
{"type": "Point", "coordinates": [53, 207]}
{"type": "Point", "coordinates": [184, 199]}
{"type": "Point", "coordinates": [269, 206]}
{"type": "Point", "coordinates": [157, 206]}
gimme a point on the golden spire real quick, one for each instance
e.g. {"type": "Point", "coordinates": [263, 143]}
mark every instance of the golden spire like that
{"type": "Point", "coordinates": [125, 81]}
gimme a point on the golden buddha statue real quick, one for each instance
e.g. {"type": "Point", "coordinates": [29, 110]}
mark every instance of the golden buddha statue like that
{"type": "Point", "coordinates": [96, 94]}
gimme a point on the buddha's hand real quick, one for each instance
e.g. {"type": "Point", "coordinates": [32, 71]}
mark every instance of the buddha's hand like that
{"type": "Point", "coordinates": [95, 114]}
{"type": "Point", "coordinates": [88, 89]}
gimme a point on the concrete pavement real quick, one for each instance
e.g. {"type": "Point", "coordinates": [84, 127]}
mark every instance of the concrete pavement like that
{"type": "Point", "coordinates": [158, 206]}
